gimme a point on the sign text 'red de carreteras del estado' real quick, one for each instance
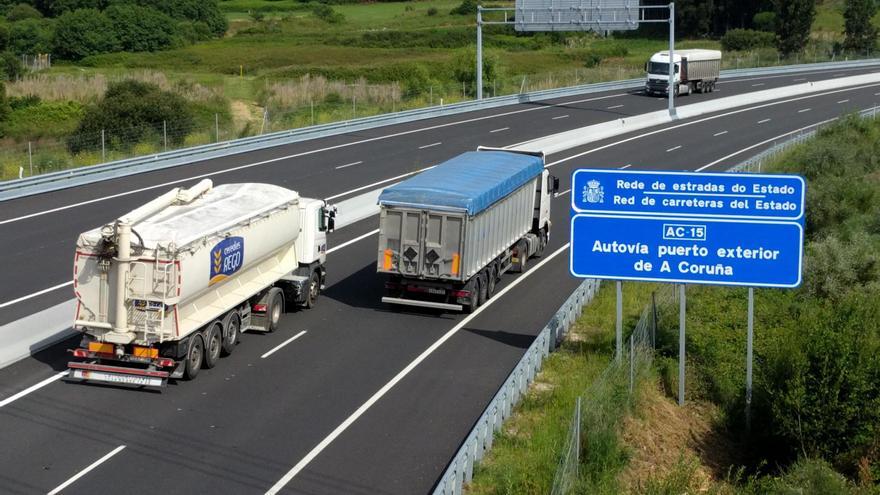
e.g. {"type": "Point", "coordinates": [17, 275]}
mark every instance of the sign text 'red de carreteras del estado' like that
{"type": "Point", "coordinates": [726, 229]}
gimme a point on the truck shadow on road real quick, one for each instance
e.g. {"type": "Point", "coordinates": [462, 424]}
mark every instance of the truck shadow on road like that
{"type": "Point", "coordinates": [57, 355]}
{"type": "Point", "coordinates": [518, 340]}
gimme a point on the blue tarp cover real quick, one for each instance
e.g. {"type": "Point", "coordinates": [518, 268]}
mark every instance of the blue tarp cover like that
{"type": "Point", "coordinates": [472, 181]}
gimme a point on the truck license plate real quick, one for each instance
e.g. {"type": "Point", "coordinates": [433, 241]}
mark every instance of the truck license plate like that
{"type": "Point", "coordinates": [438, 292]}
{"type": "Point", "coordinates": [100, 376]}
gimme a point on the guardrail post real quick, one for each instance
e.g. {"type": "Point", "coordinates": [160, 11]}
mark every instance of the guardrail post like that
{"type": "Point", "coordinates": [217, 127]}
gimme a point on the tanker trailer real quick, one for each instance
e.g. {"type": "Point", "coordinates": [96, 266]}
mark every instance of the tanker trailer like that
{"type": "Point", "coordinates": [168, 288]}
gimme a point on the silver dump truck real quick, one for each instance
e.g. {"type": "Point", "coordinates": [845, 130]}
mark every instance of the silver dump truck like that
{"type": "Point", "coordinates": [696, 71]}
{"type": "Point", "coordinates": [166, 289]}
{"type": "Point", "coordinates": [448, 234]}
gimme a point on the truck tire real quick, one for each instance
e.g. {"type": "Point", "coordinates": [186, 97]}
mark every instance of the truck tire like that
{"type": "Point", "coordinates": [314, 289]}
{"type": "Point", "coordinates": [491, 279]}
{"type": "Point", "coordinates": [195, 351]}
{"type": "Point", "coordinates": [213, 344]}
{"type": "Point", "coordinates": [274, 309]}
{"type": "Point", "coordinates": [522, 255]}
{"type": "Point", "coordinates": [231, 333]}
{"type": "Point", "coordinates": [475, 297]}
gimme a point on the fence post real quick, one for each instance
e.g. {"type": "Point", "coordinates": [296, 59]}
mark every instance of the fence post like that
{"type": "Point", "coordinates": [431, 97]}
{"type": "Point", "coordinates": [654, 318]}
{"type": "Point", "coordinates": [312, 108]}
{"type": "Point", "coordinates": [217, 128]}
{"type": "Point", "coordinates": [103, 147]}
{"type": "Point", "coordinates": [632, 361]}
{"type": "Point", "coordinates": [31, 157]}
{"type": "Point", "coordinates": [354, 106]}
{"type": "Point", "coordinates": [165, 134]}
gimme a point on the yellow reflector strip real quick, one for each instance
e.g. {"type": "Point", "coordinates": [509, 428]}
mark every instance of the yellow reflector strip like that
{"type": "Point", "coordinates": [101, 347]}
{"type": "Point", "coordinates": [456, 260]}
{"type": "Point", "coordinates": [388, 256]}
{"type": "Point", "coordinates": [145, 352]}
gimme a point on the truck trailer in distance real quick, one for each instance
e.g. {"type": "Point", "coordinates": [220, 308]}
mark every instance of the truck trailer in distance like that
{"type": "Point", "coordinates": [166, 289]}
{"type": "Point", "coordinates": [696, 71]}
{"type": "Point", "coordinates": [448, 234]}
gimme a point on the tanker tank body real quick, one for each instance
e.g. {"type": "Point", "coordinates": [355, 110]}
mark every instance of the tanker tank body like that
{"type": "Point", "coordinates": [166, 289]}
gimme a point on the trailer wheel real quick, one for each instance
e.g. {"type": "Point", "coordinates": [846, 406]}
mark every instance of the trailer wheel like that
{"type": "Point", "coordinates": [213, 344]}
{"type": "Point", "coordinates": [314, 289]}
{"type": "Point", "coordinates": [276, 307]}
{"type": "Point", "coordinates": [194, 357]}
{"type": "Point", "coordinates": [490, 282]}
{"type": "Point", "coordinates": [475, 297]}
{"type": "Point", "coordinates": [232, 327]}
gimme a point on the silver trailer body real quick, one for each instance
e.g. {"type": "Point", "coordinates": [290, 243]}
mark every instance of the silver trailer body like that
{"type": "Point", "coordinates": [435, 243]}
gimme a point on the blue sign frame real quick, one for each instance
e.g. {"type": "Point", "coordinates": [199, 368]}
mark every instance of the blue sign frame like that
{"type": "Point", "coordinates": [686, 194]}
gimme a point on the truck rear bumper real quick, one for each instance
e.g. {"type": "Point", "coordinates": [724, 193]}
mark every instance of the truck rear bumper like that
{"type": "Point", "coordinates": [116, 375]}
{"type": "Point", "coordinates": [422, 304]}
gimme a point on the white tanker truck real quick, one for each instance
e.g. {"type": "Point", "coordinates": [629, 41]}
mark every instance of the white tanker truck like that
{"type": "Point", "coordinates": [166, 289]}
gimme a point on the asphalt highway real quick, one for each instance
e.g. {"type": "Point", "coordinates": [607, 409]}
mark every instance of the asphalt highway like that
{"type": "Point", "coordinates": [331, 411]}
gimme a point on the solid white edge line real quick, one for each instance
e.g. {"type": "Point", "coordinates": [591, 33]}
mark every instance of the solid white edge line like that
{"type": "Point", "coordinates": [279, 346]}
{"type": "Point", "coordinates": [86, 470]}
{"type": "Point", "coordinates": [32, 388]}
{"type": "Point", "coordinates": [438, 143]}
{"type": "Point", "coordinates": [352, 241]}
{"type": "Point", "coordinates": [352, 164]}
{"type": "Point", "coordinates": [400, 376]}
{"type": "Point", "coordinates": [716, 162]}
{"type": "Point", "coordinates": [35, 294]}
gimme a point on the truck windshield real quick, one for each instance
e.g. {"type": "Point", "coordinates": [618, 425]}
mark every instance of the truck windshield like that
{"type": "Point", "coordinates": [659, 68]}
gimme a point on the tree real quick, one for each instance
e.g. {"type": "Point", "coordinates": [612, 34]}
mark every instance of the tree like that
{"type": "Point", "coordinates": [31, 36]}
{"type": "Point", "coordinates": [130, 112]}
{"type": "Point", "coordinates": [141, 29]}
{"type": "Point", "coordinates": [794, 19]}
{"type": "Point", "coordinates": [11, 66]}
{"type": "Point", "coordinates": [861, 34]}
{"type": "Point", "coordinates": [694, 17]}
{"type": "Point", "coordinates": [54, 8]}
{"type": "Point", "coordinates": [21, 12]}
{"type": "Point", "coordinates": [84, 32]}
{"type": "Point", "coordinates": [207, 11]}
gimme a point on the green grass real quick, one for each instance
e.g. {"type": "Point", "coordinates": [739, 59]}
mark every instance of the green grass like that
{"type": "Point", "coordinates": [526, 454]}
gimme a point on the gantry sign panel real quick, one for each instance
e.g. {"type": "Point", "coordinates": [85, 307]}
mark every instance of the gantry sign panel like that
{"type": "Point", "coordinates": [577, 15]}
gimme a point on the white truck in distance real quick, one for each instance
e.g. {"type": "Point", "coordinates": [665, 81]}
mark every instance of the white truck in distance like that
{"type": "Point", "coordinates": [166, 289]}
{"type": "Point", "coordinates": [448, 234]}
{"type": "Point", "coordinates": [696, 71]}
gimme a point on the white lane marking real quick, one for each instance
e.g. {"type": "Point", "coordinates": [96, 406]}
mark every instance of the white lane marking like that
{"type": "Point", "coordinates": [764, 121]}
{"type": "Point", "coordinates": [499, 130]}
{"type": "Point", "coordinates": [310, 152]}
{"type": "Point", "coordinates": [615, 106]}
{"type": "Point", "coordinates": [560, 117]}
{"type": "Point", "coordinates": [758, 84]}
{"type": "Point", "coordinates": [277, 487]}
{"type": "Point", "coordinates": [438, 143]}
{"type": "Point", "coordinates": [562, 193]}
{"type": "Point", "coordinates": [86, 470]}
{"type": "Point", "coordinates": [673, 149]}
{"type": "Point", "coordinates": [374, 184]}
{"type": "Point", "coordinates": [802, 110]}
{"type": "Point", "coordinates": [32, 388]}
{"type": "Point", "coordinates": [626, 166]}
{"type": "Point", "coordinates": [35, 294]}
{"type": "Point", "coordinates": [356, 239]}
{"type": "Point", "coordinates": [841, 102]}
{"type": "Point", "coordinates": [799, 79]}
{"type": "Point", "coordinates": [876, 94]}
{"type": "Point", "coordinates": [279, 346]}
{"type": "Point", "coordinates": [352, 164]}
{"type": "Point", "coordinates": [700, 121]}
{"type": "Point", "coordinates": [716, 162]}
{"type": "Point", "coordinates": [719, 133]}
{"type": "Point", "coordinates": [838, 75]}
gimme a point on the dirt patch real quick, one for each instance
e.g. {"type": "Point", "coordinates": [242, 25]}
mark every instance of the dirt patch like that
{"type": "Point", "coordinates": [662, 433]}
{"type": "Point", "coordinates": [243, 113]}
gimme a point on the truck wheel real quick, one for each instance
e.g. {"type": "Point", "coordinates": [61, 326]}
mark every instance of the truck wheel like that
{"type": "Point", "coordinates": [232, 325]}
{"type": "Point", "coordinates": [213, 344]}
{"type": "Point", "coordinates": [522, 254]}
{"type": "Point", "coordinates": [314, 289]}
{"type": "Point", "coordinates": [475, 297]}
{"type": "Point", "coordinates": [274, 310]}
{"type": "Point", "coordinates": [542, 243]}
{"type": "Point", "coordinates": [194, 357]}
{"type": "Point", "coordinates": [677, 90]}
{"type": "Point", "coordinates": [490, 282]}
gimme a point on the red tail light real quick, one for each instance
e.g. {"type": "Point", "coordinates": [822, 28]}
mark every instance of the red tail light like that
{"type": "Point", "coordinates": [165, 362]}
{"type": "Point", "coordinates": [80, 353]}
{"type": "Point", "coordinates": [260, 308]}
{"type": "Point", "coordinates": [461, 293]}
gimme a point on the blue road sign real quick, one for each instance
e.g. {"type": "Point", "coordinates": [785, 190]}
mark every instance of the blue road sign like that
{"type": "Point", "coordinates": [687, 250]}
{"type": "Point", "coordinates": [743, 196]}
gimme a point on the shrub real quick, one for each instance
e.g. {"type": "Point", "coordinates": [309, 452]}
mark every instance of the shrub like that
{"type": "Point", "coordinates": [129, 112]}
{"type": "Point", "coordinates": [31, 36]}
{"type": "Point", "coordinates": [765, 21]}
{"type": "Point", "coordinates": [206, 11]}
{"type": "Point", "coordinates": [141, 29]}
{"type": "Point", "coordinates": [84, 32]}
{"type": "Point", "coordinates": [467, 7]}
{"type": "Point", "coordinates": [432, 11]}
{"type": "Point", "coordinates": [737, 40]}
{"type": "Point", "coordinates": [21, 12]}
{"type": "Point", "coordinates": [327, 14]}
{"type": "Point", "coordinates": [11, 66]}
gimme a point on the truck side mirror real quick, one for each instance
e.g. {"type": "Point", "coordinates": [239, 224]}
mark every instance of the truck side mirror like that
{"type": "Point", "coordinates": [331, 218]}
{"type": "Point", "coordinates": [555, 184]}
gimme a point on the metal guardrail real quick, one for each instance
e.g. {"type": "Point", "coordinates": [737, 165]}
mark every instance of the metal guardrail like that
{"type": "Point", "coordinates": [84, 175]}
{"type": "Point", "coordinates": [460, 470]}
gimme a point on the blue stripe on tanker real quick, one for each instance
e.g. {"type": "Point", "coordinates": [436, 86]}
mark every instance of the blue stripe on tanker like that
{"type": "Point", "coordinates": [472, 181]}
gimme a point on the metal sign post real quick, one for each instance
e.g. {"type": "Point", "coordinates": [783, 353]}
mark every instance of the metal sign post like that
{"type": "Point", "coordinates": [671, 90]}
{"type": "Point", "coordinates": [619, 330]}
{"type": "Point", "coordinates": [682, 310]}
{"type": "Point", "coordinates": [479, 52]}
{"type": "Point", "coordinates": [749, 345]}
